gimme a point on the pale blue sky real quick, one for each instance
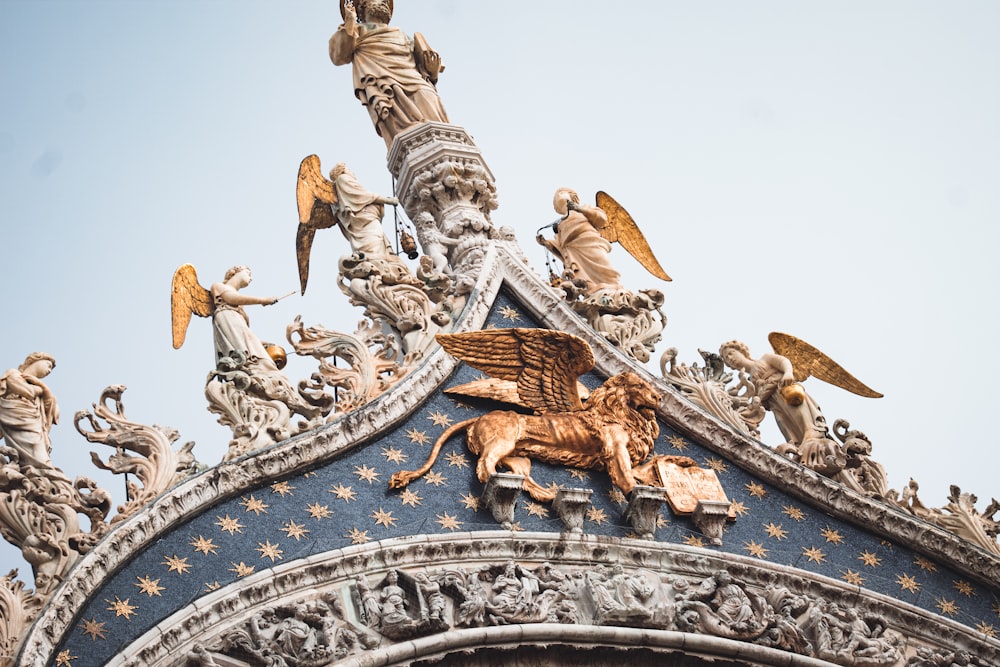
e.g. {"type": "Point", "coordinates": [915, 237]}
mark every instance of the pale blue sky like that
{"type": "Point", "coordinates": [829, 170]}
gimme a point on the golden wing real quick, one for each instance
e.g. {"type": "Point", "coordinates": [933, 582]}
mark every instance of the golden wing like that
{"type": "Point", "coordinates": [314, 194]}
{"type": "Point", "coordinates": [543, 363]}
{"type": "Point", "coordinates": [187, 296]}
{"type": "Point", "coordinates": [622, 228]}
{"type": "Point", "coordinates": [807, 360]}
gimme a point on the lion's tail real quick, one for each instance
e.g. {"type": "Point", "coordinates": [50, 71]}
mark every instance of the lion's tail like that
{"type": "Point", "coordinates": [404, 477]}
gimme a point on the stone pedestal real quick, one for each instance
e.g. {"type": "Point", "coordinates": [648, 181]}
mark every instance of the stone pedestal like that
{"type": "Point", "coordinates": [447, 190]}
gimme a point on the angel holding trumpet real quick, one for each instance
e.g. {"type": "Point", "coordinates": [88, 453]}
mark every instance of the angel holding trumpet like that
{"type": "Point", "coordinates": [583, 238]}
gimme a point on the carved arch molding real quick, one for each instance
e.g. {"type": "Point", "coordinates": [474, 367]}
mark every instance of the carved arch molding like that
{"type": "Point", "coordinates": [504, 598]}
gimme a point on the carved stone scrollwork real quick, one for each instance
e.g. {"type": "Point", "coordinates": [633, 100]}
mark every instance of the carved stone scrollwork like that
{"type": "Point", "coordinates": [392, 295]}
{"type": "Point", "coordinates": [959, 516]}
{"type": "Point", "coordinates": [310, 633]}
{"type": "Point", "coordinates": [258, 406]}
{"type": "Point", "coordinates": [371, 356]}
{"type": "Point", "coordinates": [723, 606]}
{"type": "Point", "coordinates": [155, 464]}
{"type": "Point", "coordinates": [18, 607]}
{"type": "Point", "coordinates": [927, 657]}
{"type": "Point", "coordinates": [631, 321]}
{"type": "Point", "coordinates": [707, 388]}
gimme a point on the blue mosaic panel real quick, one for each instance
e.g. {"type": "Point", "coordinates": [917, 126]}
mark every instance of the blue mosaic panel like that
{"type": "Point", "coordinates": [347, 501]}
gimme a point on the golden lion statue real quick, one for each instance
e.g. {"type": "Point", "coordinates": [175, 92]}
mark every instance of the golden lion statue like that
{"type": "Point", "coordinates": [614, 430]}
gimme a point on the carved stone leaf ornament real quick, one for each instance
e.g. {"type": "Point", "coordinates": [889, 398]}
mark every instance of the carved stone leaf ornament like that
{"type": "Point", "coordinates": [143, 451]}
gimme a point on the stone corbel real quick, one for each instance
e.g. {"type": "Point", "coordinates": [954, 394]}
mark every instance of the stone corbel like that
{"type": "Point", "coordinates": [643, 509]}
{"type": "Point", "coordinates": [710, 518]}
{"type": "Point", "coordinates": [500, 496]}
{"type": "Point", "coordinates": [571, 505]}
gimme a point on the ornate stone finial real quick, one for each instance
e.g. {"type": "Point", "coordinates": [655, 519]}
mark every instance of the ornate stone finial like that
{"type": "Point", "coordinates": [958, 516]}
{"type": "Point", "coordinates": [393, 77]}
{"type": "Point", "coordinates": [582, 242]}
{"type": "Point", "coordinates": [156, 465]}
{"type": "Point", "coordinates": [615, 431]}
{"type": "Point", "coordinates": [39, 506]}
{"type": "Point", "coordinates": [247, 390]}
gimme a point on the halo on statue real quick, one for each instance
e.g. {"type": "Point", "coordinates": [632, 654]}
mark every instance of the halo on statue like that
{"type": "Point", "coordinates": [344, 17]}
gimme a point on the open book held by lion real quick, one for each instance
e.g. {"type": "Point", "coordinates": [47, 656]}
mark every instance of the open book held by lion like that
{"type": "Point", "coordinates": [613, 429]}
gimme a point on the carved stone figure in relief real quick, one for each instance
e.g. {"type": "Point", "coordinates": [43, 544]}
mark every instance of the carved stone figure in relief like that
{"type": "Point", "coordinates": [394, 76]}
{"type": "Point", "coordinates": [538, 369]}
{"type": "Point", "coordinates": [723, 606]}
{"type": "Point", "coordinates": [28, 410]}
{"type": "Point", "coordinates": [776, 380]}
{"type": "Point", "coordinates": [308, 633]}
{"type": "Point", "coordinates": [402, 605]}
{"type": "Point", "coordinates": [247, 388]}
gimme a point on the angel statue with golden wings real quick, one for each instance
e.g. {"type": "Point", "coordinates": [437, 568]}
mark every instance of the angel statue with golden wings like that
{"type": "Point", "coordinates": [777, 380]}
{"type": "Point", "coordinates": [248, 372]}
{"type": "Point", "coordinates": [583, 239]}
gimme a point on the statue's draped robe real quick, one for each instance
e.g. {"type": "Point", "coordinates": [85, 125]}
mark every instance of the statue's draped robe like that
{"type": "Point", "coordinates": [360, 217]}
{"type": "Point", "coordinates": [25, 423]}
{"type": "Point", "coordinates": [386, 79]}
{"type": "Point", "coordinates": [585, 253]}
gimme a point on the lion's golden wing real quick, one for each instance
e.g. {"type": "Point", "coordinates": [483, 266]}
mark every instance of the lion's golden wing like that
{"type": "Point", "coordinates": [621, 228]}
{"type": "Point", "coordinates": [544, 363]}
{"type": "Point", "coordinates": [187, 296]}
{"type": "Point", "coordinates": [807, 360]}
{"type": "Point", "coordinates": [315, 196]}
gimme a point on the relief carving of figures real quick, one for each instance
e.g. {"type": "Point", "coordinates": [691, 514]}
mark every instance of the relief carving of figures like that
{"type": "Point", "coordinates": [635, 599]}
{"type": "Point", "coordinates": [582, 242]}
{"type": "Point", "coordinates": [927, 657]}
{"type": "Point", "coordinates": [394, 76]}
{"type": "Point", "coordinates": [140, 450]}
{"type": "Point", "coordinates": [402, 606]}
{"type": "Point", "coordinates": [538, 369]}
{"type": "Point", "coordinates": [722, 606]}
{"type": "Point", "coordinates": [844, 638]}
{"type": "Point", "coordinates": [776, 381]}
{"type": "Point", "coordinates": [372, 276]}
{"type": "Point", "coordinates": [247, 389]}
{"type": "Point", "coordinates": [309, 633]}
{"type": "Point", "coordinates": [39, 506]}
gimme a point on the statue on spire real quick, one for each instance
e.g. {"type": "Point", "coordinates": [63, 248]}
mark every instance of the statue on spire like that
{"type": "Point", "coordinates": [394, 75]}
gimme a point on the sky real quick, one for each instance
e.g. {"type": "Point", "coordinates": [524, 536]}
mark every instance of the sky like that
{"type": "Point", "coordinates": [824, 169]}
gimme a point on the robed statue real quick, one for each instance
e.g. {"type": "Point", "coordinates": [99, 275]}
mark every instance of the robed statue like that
{"type": "Point", "coordinates": [394, 76]}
